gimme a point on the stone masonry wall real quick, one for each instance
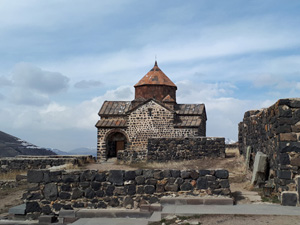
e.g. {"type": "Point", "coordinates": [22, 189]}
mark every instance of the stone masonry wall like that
{"type": "Point", "coordinates": [40, 162]}
{"type": "Point", "coordinates": [164, 149]}
{"type": "Point", "coordinates": [142, 125]}
{"type": "Point", "coordinates": [118, 188]}
{"type": "Point", "coordinates": [275, 131]}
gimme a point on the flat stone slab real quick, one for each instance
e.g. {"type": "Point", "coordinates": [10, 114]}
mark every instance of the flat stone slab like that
{"type": "Point", "coordinates": [251, 209]}
{"type": "Point", "coordinates": [111, 213]}
{"type": "Point", "coordinates": [111, 221]}
{"type": "Point", "coordinates": [18, 210]}
{"type": "Point", "coordinates": [196, 201]}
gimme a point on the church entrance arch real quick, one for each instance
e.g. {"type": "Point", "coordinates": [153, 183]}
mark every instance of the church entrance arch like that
{"type": "Point", "coordinates": [115, 141]}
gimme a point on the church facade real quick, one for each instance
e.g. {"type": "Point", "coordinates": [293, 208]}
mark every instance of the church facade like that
{"type": "Point", "coordinates": [126, 126]}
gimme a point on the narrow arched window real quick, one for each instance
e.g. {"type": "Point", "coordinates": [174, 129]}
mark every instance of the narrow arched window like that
{"type": "Point", "coordinates": [150, 112]}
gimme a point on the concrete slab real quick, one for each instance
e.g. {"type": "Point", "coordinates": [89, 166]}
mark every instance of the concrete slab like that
{"type": "Point", "coordinates": [253, 209]}
{"type": "Point", "coordinates": [112, 213]}
{"type": "Point", "coordinates": [196, 201]}
{"type": "Point", "coordinates": [18, 210]}
{"type": "Point", "coordinates": [111, 221]}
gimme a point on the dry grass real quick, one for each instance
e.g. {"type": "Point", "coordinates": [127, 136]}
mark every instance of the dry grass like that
{"type": "Point", "coordinates": [12, 174]}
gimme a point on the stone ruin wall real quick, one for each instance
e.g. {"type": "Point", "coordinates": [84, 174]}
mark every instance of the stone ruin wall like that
{"type": "Point", "coordinates": [275, 131]}
{"type": "Point", "coordinates": [19, 163]}
{"type": "Point", "coordinates": [57, 190]}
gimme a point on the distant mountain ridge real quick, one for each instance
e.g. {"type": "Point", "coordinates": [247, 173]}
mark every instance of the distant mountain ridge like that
{"type": "Point", "coordinates": [77, 151]}
{"type": "Point", "coordinates": [11, 146]}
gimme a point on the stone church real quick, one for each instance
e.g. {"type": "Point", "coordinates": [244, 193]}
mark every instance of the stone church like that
{"type": "Point", "coordinates": [125, 127]}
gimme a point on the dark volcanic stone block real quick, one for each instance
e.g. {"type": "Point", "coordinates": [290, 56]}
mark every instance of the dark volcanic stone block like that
{"type": "Point", "coordinates": [64, 195]}
{"type": "Point", "coordinates": [149, 189]}
{"type": "Point", "coordinates": [46, 210]}
{"type": "Point", "coordinates": [33, 207]}
{"type": "Point", "coordinates": [289, 198]}
{"type": "Point", "coordinates": [50, 191]}
{"type": "Point", "coordinates": [284, 174]}
{"type": "Point", "coordinates": [201, 183]}
{"type": "Point", "coordinates": [130, 189]}
{"type": "Point", "coordinates": [35, 176]}
{"type": "Point", "coordinates": [130, 175]}
{"type": "Point", "coordinates": [116, 177]}
{"type": "Point", "coordinates": [284, 159]}
{"type": "Point", "coordinates": [140, 180]}
{"type": "Point", "coordinates": [223, 174]}
{"type": "Point", "coordinates": [89, 193]}
{"type": "Point", "coordinates": [77, 193]}
{"type": "Point", "coordinates": [203, 172]}
{"type": "Point", "coordinates": [100, 177]}
{"type": "Point", "coordinates": [171, 187]}
{"type": "Point", "coordinates": [175, 173]}
{"type": "Point", "coordinates": [186, 187]}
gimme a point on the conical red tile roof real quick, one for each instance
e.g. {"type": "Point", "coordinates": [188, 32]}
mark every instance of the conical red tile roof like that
{"type": "Point", "coordinates": [155, 77]}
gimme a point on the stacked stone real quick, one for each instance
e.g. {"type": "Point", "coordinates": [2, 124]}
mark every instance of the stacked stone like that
{"type": "Point", "coordinates": [165, 149]}
{"type": "Point", "coordinates": [275, 131]}
{"type": "Point", "coordinates": [131, 156]}
{"type": "Point", "coordinates": [117, 188]}
{"type": "Point", "coordinates": [29, 162]}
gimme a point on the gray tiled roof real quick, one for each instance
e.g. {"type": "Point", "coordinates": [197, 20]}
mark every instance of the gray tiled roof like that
{"type": "Point", "coordinates": [189, 109]}
{"type": "Point", "coordinates": [191, 121]}
{"type": "Point", "coordinates": [114, 108]}
{"type": "Point", "coordinates": [111, 123]}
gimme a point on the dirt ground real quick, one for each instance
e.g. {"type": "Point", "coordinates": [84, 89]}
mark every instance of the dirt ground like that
{"type": "Point", "coordinates": [232, 220]}
{"type": "Point", "coordinates": [11, 197]}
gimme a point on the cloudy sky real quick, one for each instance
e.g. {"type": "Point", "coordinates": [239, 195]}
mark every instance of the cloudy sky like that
{"type": "Point", "coordinates": [59, 60]}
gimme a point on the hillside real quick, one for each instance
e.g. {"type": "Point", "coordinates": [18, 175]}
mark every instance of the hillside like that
{"type": "Point", "coordinates": [11, 146]}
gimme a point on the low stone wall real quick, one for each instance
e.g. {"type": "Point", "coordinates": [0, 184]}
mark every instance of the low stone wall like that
{"type": "Point", "coordinates": [165, 149]}
{"type": "Point", "coordinates": [275, 131]}
{"type": "Point", "coordinates": [117, 188]}
{"type": "Point", "coordinates": [40, 162]}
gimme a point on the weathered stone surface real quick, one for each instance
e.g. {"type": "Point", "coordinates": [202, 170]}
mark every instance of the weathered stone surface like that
{"type": "Point", "coordinates": [288, 137]}
{"type": "Point", "coordinates": [114, 202]}
{"type": "Point", "coordinates": [95, 186]}
{"type": "Point", "coordinates": [158, 175]}
{"type": "Point", "coordinates": [185, 174]}
{"type": "Point", "coordinates": [284, 174]}
{"type": "Point", "coordinates": [175, 173]}
{"type": "Point", "coordinates": [224, 184]}
{"type": "Point", "coordinates": [110, 190]}
{"type": "Point", "coordinates": [149, 189]}
{"type": "Point", "coordinates": [128, 202]}
{"type": "Point", "coordinates": [50, 191]}
{"type": "Point", "coordinates": [151, 181]}
{"type": "Point", "coordinates": [222, 174]}
{"type": "Point", "coordinates": [259, 167]}
{"type": "Point", "coordinates": [186, 187]}
{"type": "Point", "coordinates": [102, 205]}
{"type": "Point", "coordinates": [140, 180]}
{"type": "Point", "coordinates": [289, 198]}
{"type": "Point", "coordinates": [130, 175]}
{"type": "Point", "coordinates": [64, 195]}
{"type": "Point", "coordinates": [116, 177]}
{"type": "Point", "coordinates": [57, 206]}
{"type": "Point", "coordinates": [202, 183]}
{"type": "Point", "coordinates": [35, 176]}
{"type": "Point", "coordinates": [66, 187]}
{"type": "Point", "coordinates": [77, 193]}
{"type": "Point", "coordinates": [46, 210]}
{"type": "Point", "coordinates": [89, 193]}
{"type": "Point", "coordinates": [130, 189]}
{"type": "Point", "coordinates": [100, 177]}
{"type": "Point", "coordinates": [147, 173]}
{"type": "Point", "coordinates": [284, 159]}
{"type": "Point", "coordinates": [203, 172]}
{"type": "Point", "coordinates": [70, 178]}
{"type": "Point", "coordinates": [32, 207]}
{"type": "Point", "coordinates": [171, 187]}
{"type": "Point", "coordinates": [294, 159]}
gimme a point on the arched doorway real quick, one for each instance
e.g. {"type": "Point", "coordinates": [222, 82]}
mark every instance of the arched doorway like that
{"type": "Point", "coordinates": [115, 141]}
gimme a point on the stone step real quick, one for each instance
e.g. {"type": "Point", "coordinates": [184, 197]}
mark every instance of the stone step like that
{"type": "Point", "coordinates": [111, 213]}
{"type": "Point", "coordinates": [196, 201]}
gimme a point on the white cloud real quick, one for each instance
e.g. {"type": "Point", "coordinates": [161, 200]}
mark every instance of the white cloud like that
{"type": "Point", "coordinates": [28, 76]}
{"type": "Point", "coordinates": [5, 82]}
{"type": "Point", "coordinates": [83, 84]}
